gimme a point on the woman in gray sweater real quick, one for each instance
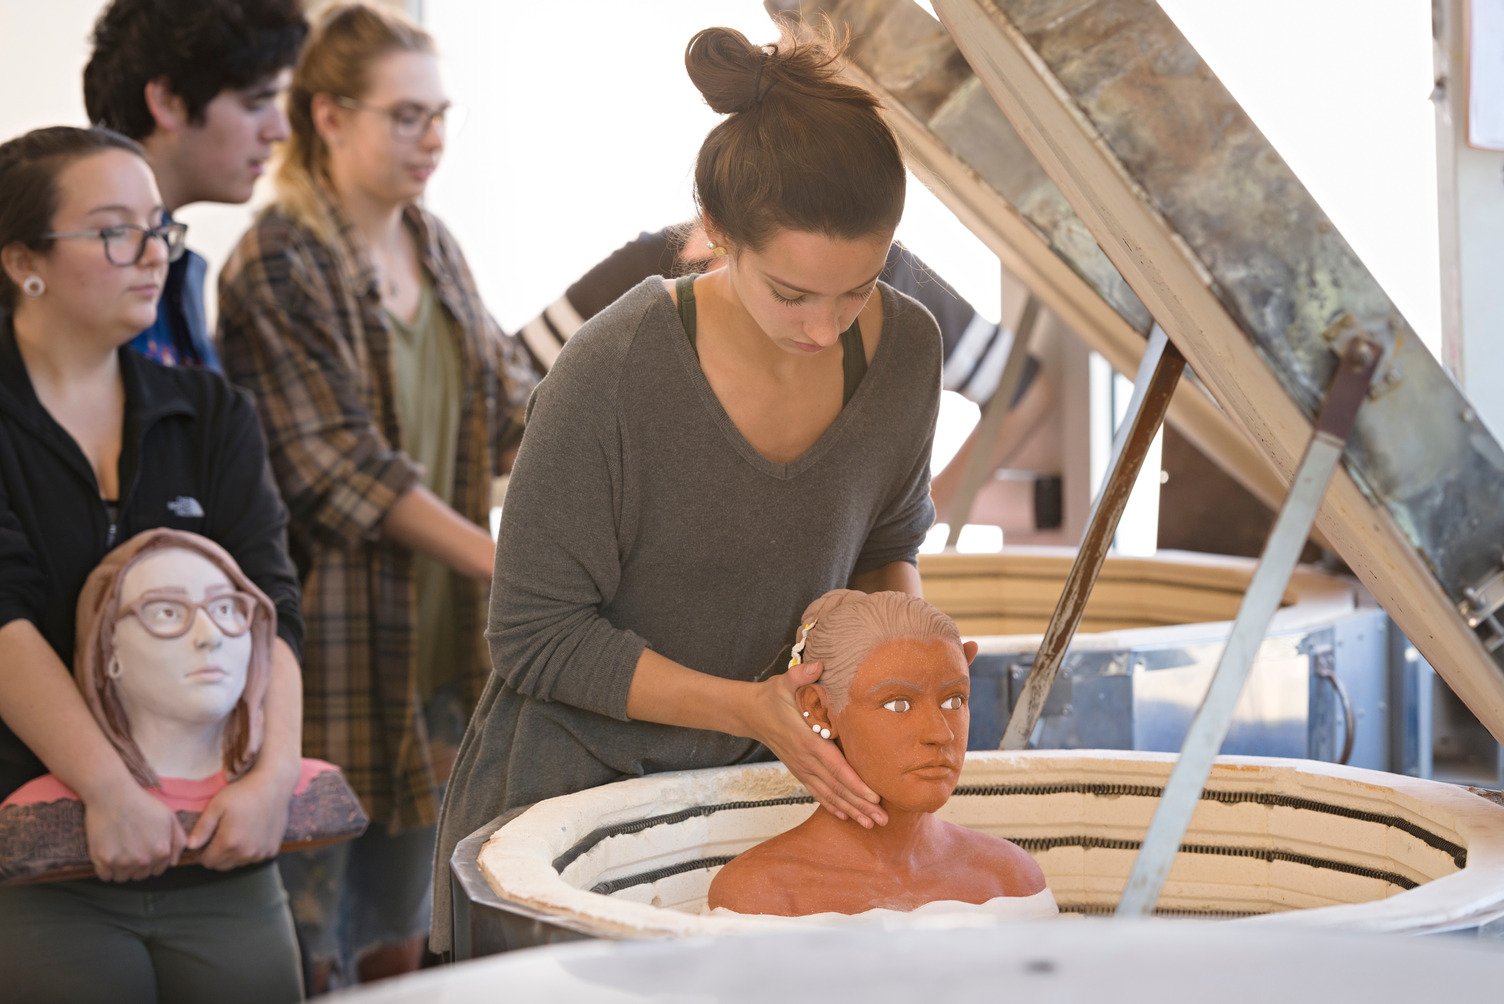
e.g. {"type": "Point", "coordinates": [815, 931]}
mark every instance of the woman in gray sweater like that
{"type": "Point", "coordinates": [705, 458]}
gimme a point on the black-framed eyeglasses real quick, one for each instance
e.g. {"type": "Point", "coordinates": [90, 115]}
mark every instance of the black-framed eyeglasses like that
{"type": "Point", "coordinates": [410, 122]}
{"type": "Point", "coordinates": [125, 243]}
{"type": "Point", "coordinates": [171, 615]}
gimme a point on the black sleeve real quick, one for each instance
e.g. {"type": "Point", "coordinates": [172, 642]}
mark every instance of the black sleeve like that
{"type": "Point", "coordinates": [969, 341]}
{"type": "Point", "coordinates": [654, 253]}
{"type": "Point", "coordinates": [650, 254]}
{"type": "Point", "coordinates": [23, 587]}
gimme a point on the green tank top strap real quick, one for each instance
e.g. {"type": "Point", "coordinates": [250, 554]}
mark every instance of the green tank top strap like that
{"type": "Point", "coordinates": [853, 361]}
{"type": "Point", "coordinates": [684, 288]}
{"type": "Point", "coordinates": [853, 353]}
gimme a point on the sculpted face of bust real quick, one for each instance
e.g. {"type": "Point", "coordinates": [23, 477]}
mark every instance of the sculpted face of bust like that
{"type": "Point", "coordinates": [904, 723]}
{"type": "Point", "coordinates": [181, 645]}
{"type": "Point", "coordinates": [894, 695]}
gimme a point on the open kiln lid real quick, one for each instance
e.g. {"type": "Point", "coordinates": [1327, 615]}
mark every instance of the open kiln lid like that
{"type": "Point", "coordinates": [1105, 103]}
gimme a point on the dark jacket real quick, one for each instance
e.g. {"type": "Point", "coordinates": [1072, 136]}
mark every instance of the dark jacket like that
{"type": "Point", "coordinates": [192, 458]}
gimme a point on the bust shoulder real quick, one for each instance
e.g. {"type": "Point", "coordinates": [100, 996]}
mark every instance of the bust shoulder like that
{"type": "Point", "coordinates": [992, 862]}
{"type": "Point", "coordinates": [743, 883]}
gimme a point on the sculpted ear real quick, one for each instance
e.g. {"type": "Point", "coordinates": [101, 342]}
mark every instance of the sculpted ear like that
{"type": "Point", "coordinates": [814, 699]}
{"type": "Point", "coordinates": [969, 649]}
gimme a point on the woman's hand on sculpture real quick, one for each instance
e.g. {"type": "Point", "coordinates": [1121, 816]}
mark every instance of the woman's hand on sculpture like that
{"type": "Point", "coordinates": [243, 823]}
{"type": "Point", "coordinates": [816, 762]}
{"type": "Point", "coordinates": [131, 835]}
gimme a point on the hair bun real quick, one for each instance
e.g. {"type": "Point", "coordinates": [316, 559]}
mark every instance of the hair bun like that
{"type": "Point", "coordinates": [726, 68]}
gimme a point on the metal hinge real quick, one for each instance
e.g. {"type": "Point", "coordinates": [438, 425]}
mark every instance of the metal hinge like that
{"type": "Point", "coordinates": [1480, 606]}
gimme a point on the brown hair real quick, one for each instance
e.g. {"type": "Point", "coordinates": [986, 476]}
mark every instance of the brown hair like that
{"type": "Point", "coordinates": [802, 149]}
{"type": "Point", "coordinates": [347, 39]}
{"type": "Point", "coordinates": [98, 611]}
{"type": "Point", "coordinates": [848, 625]}
{"type": "Point", "coordinates": [30, 165]}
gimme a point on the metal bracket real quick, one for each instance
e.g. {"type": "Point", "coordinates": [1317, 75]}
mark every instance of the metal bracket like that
{"type": "Point", "coordinates": [1344, 330]}
{"type": "Point", "coordinates": [1339, 413]}
{"type": "Point", "coordinates": [1480, 606]}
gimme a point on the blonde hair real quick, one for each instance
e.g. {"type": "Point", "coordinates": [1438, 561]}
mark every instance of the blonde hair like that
{"type": "Point", "coordinates": [346, 41]}
{"type": "Point", "coordinates": [849, 625]}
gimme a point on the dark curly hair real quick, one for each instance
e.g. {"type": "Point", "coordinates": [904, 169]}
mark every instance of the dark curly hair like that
{"type": "Point", "coordinates": [202, 47]}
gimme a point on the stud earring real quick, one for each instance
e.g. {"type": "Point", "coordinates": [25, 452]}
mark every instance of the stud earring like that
{"type": "Point", "coordinates": [33, 286]}
{"type": "Point", "coordinates": [715, 249]}
{"type": "Point", "coordinates": [112, 668]}
{"type": "Point", "coordinates": [820, 730]}
{"type": "Point", "coordinates": [806, 714]}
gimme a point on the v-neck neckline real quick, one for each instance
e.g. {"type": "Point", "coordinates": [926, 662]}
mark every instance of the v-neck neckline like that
{"type": "Point", "coordinates": [784, 471]}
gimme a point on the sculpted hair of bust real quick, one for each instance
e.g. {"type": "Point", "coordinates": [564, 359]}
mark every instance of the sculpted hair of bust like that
{"type": "Point", "coordinates": [96, 663]}
{"type": "Point", "coordinates": [849, 625]}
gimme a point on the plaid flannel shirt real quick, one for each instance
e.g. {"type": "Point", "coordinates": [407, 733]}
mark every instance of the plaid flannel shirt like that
{"type": "Point", "coordinates": [301, 327]}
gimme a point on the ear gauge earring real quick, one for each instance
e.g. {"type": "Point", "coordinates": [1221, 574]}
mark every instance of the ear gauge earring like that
{"type": "Point", "coordinates": [33, 286]}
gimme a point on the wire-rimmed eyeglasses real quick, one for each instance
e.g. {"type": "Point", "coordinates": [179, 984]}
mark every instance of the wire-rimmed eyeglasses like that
{"type": "Point", "coordinates": [125, 243]}
{"type": "Point", "coordinates": [411, 121]}
{"type": "Point", "coordinates": [171, 615]}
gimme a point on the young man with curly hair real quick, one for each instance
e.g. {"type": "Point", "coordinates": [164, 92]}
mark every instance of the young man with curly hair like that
{"type": "Point", "coordinates": [196, 83]}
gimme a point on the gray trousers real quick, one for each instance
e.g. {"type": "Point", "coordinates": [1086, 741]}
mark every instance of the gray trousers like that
{"type": "Point", "coordinates": [222, 941]}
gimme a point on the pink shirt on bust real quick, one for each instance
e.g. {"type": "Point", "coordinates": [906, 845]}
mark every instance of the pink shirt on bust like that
{"type": "Point", "coordinates": [177, 793]}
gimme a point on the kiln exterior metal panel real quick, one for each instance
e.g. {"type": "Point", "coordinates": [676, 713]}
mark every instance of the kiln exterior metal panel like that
{"type": "Point", "coordinates": [1246, 273]}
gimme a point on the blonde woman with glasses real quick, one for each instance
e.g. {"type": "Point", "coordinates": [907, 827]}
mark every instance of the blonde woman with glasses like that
{"type": "Point", "coordinates": [390, 399]}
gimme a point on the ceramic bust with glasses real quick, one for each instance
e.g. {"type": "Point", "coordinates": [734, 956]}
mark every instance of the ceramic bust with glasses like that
{"type": "Point", "coordinates": [173, 661]}
{"type": "Point", "coordinates": [894, 698]}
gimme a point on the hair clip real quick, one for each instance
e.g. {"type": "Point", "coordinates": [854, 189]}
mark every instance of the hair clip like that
{"type": "Point", "coordinates": [797, 652]}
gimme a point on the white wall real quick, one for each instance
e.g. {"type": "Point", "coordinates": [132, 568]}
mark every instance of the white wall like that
{"type": "Point", "coordinates": [581, 132]}
{"type": "Point", "coordinates": [583, 127]}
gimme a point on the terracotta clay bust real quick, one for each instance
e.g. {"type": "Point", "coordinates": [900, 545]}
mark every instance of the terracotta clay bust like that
{"type": "Point", "coordinates": [893, 696]}
{"type": "Point", "coordinates": [174, 659]}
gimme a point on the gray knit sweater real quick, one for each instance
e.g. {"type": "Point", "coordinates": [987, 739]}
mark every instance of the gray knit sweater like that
{"type": "Point", "coordinates": [638, 515]}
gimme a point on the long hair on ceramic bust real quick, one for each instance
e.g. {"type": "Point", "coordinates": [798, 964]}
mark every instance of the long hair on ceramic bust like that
{"type": "Point", "coordinates": [801, 149]}
{"type": "Point", "coordinates": [99, 609]}
{"type": "Point", "coordinates": [849, 625]}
